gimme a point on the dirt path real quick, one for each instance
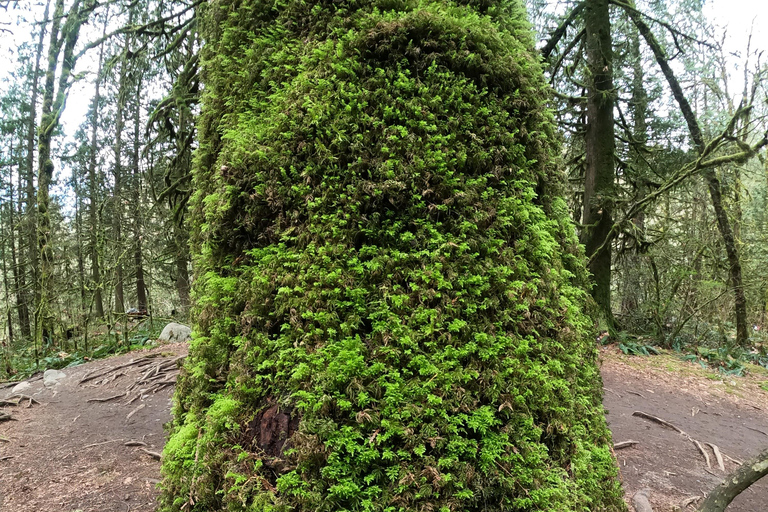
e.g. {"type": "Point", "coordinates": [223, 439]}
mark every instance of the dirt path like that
{"type": "Point", "coordinates": [728, 412]}
{"type": "Point", "coordinates": [68, 453]}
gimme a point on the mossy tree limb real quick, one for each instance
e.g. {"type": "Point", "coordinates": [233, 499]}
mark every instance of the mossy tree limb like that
{"type": "Point", "coordinates": [733, 485]}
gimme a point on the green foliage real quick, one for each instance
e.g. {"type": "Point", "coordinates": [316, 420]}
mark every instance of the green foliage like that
{"type": "Point", "coordinates": [633, 348]}
{"type": "Point", "coordinates": [387, 279]}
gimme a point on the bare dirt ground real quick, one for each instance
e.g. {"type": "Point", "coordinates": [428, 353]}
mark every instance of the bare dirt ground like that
{"type": "Point", "coordinates": [71, 452]}
{"type": "Point", "coordinates": [728, 412]}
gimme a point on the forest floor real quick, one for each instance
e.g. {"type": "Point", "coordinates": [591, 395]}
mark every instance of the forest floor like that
{"type": "Point", "coordinates": [91, 442]}
{"type": "Point", "coordinates": [72, 452]}
{"type": "Point", "coordinates": [726, 411]}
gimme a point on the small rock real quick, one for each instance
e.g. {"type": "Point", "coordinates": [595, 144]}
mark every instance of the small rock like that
{"type": "Point", "coordinates": [21, 387]}
{"type": "Point", "coordinates": [175, 333]}
{"type": "Point", "coordinates": [52, 377]}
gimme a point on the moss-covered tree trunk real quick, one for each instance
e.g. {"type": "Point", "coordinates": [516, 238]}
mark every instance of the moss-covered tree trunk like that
{"type": "Point", "coordinates": [388, 290]}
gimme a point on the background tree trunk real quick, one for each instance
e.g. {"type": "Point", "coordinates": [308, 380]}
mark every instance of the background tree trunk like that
{"type": "Point", "coordinates": [600, 148]}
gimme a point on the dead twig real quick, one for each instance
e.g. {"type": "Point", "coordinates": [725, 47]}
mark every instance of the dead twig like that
{"type": "Point", "coordinates": [624, 444]}
{"type": "Point", "coordinates": [135, 443]}
{"type": "Point", "coordinates": [6, 457]}
{"type": "Point", "coordinates": [636, 393]}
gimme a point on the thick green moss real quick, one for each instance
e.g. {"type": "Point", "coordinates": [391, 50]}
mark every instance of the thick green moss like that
{"type": "Point", "coordinates": [389, 292]}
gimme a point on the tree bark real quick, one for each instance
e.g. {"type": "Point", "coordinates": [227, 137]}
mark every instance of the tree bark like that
{"type": "Point", "coordinates": [54, 97]}
{"type": "Point", "coordinates": [141, 288]}
{"type": "Point", "coordinates": [181, 239]}
{"type": "Point", "coordinates": [600, 147]}
{"type": "Point", "coordinates": [31, 199]}
{"type": "Point", "coordinates": [118, 174]}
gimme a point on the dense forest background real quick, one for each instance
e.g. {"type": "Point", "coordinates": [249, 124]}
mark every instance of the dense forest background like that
{"type": "Point", "coordinates": [664, 146]}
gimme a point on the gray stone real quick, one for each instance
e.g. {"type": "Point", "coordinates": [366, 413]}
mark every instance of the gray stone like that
{"type": "Point", "coordinates": [52, 377]}
{"type": "Point", "coordinates": [175, 333]}
{"type": "Point", "coordinates": [21, 387]}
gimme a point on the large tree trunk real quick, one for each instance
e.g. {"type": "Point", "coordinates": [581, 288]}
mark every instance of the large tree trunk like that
{"type": "Point", "coordinates": [389, 290]}
{"type": "Point", "coordinates": [600, 147]}
{"type": "Point", "coordinates": [30, 221]}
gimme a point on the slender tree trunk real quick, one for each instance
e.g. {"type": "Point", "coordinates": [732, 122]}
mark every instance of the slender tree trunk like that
{"type": "Point", "coordinates": [117, 198]}
{"type": "Point", "coordinates": [141, 289]}
{"type": "Point", "coordinates": [12, 243]}
{"type": "Point", "coordinates": [6, 287]}
{"type": "Point", "coordinates": [633, 286]}
{"type": "Point", "coordinates": [600, 145]}
{"type": "Point", "coordinates": [93, 193]}
{"type": "Point", "coordinates": [713, 183]}
{"type": "Point", "coordinates": [19, 267]}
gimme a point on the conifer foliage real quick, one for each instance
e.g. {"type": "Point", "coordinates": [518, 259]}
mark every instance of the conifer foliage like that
{"type": "Point", "coordinates": [389, 294]}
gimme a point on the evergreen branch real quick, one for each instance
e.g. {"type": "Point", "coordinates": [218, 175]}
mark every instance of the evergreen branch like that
{"type": "Point", "coordinates": [559, 32]}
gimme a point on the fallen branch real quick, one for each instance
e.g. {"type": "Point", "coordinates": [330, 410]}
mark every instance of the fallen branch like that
{"type": "Point", "coordinates": [135, 443]}
{"type": "Point", "coordinates": [624, 444]}
{"type": "Point", "coordinates": [6, 457]}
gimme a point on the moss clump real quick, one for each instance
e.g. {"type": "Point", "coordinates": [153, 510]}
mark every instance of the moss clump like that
{"type": "Point", "coordinates": [389, 292]}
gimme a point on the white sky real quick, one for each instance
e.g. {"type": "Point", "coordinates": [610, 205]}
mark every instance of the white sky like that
{"type": "Point", "coordinates": [737, 17]}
